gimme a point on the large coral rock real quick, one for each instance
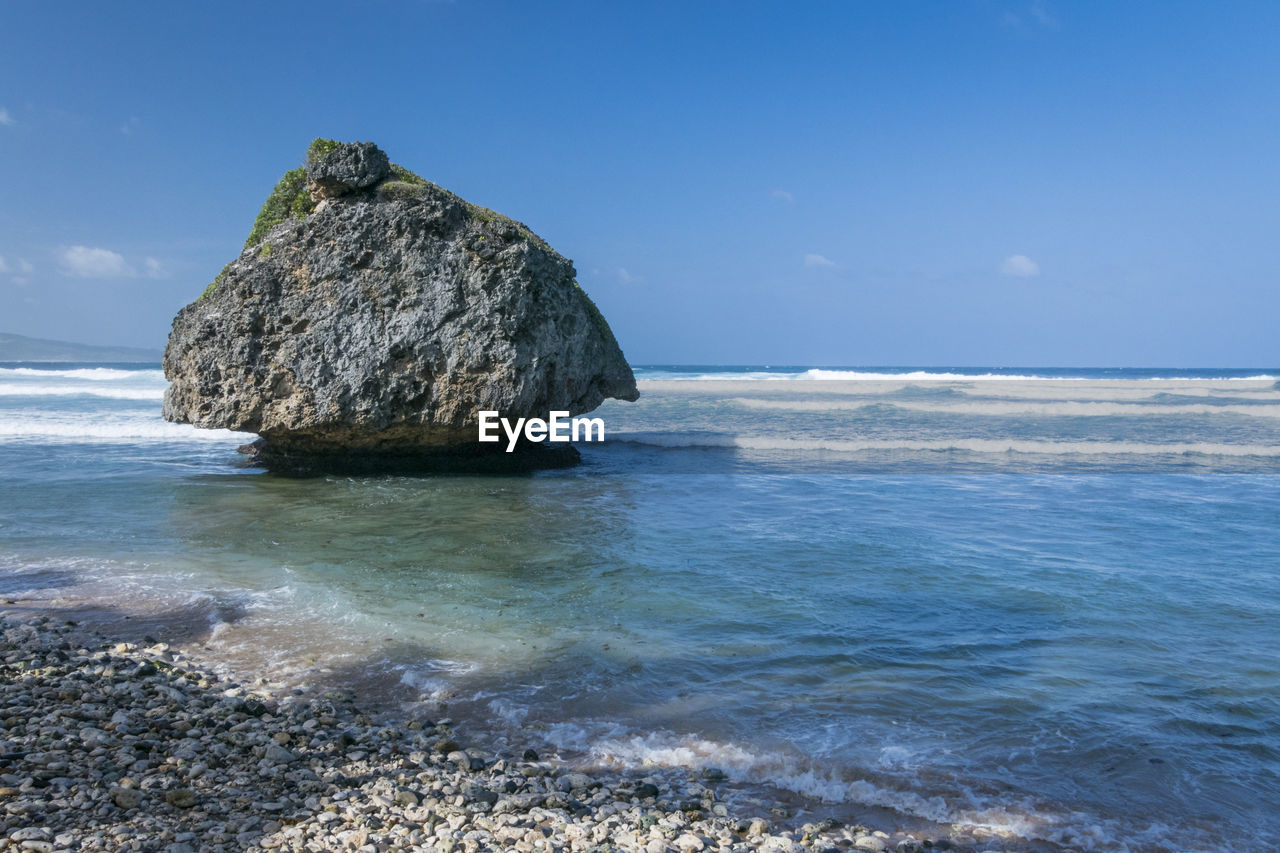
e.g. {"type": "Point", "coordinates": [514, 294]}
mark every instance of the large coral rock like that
{"type": "Point", "coordinates": [374, 322]}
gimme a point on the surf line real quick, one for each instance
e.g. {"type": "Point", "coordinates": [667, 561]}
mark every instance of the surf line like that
{"type": "Point", "coordinates": [560, 427]}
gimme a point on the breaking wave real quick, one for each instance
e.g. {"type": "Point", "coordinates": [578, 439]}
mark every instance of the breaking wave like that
{"type": "Point", "coordinates": [969, 445]}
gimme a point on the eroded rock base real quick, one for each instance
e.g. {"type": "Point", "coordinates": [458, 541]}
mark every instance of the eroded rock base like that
{"type": "Point", "coordinates": [466, 459]}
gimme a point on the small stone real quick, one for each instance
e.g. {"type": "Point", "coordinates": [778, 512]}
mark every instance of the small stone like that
{"type": "Point", "coordinates": [459, 758]}
{"type": "Point", "coordinates": [870, 842]}
{"type": "Point", "coordinates": [689, 843]}
{"type": "Point", "coordinates": [574, 781]}
{"type": "Point", "coordinates": [181, 798]}
{"type": "Point", "coordinates": [277, 754]}
{"type": "Point", "coordinates": [126, 798]}
{"type": "Point", "coordinates": [32, 833]}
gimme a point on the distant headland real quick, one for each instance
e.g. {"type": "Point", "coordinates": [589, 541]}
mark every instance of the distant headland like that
{"type": "Point", "coordinates": [23, 348]}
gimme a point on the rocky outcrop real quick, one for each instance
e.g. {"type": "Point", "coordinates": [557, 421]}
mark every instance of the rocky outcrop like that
{"type": "Point", "coordinates": [348, 168]}
{"type": "Point", "coordinates": [372, 315]}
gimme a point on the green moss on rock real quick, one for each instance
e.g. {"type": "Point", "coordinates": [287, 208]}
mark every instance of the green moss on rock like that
{"type": "Point", "coordinates": [213, 285]}
{"type": "Point", "coordinates": [289, 198]}
{"type": "Point", "coordinates": [488, 217]}
{"type": "Point", "coordinates": [401, 190]}
{"type": "Point", "coordinates": [320, 147]}
{"type": "Point", "coordinates": [602, 325]}
{"type": "Point", "coordinates": [404, 175]}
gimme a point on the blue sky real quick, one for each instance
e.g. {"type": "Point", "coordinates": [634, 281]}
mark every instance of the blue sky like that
{"type": "Point", "coordinates": [972, 182]}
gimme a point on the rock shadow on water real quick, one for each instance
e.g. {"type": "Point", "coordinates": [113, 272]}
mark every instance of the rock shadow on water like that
{"type": "Point", "coordinates": [191, 623]}
{"type": "Point", "coordinates": [14, 584]}
{"type": "Point", "coordinates": [466, 459]}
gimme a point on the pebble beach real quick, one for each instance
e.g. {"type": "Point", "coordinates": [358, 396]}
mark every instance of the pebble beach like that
{"type": "Point", "coordinates": [109, 745]}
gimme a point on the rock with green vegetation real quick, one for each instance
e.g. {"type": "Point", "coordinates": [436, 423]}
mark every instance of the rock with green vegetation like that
{"type": "Point", "coordinates": [347, 169]}
{"type": "Point", "coordinates": [372, 315]}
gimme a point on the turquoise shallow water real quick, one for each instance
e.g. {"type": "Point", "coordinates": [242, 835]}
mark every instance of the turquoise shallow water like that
{"type": "Point", "coordinates": [1046, 606]}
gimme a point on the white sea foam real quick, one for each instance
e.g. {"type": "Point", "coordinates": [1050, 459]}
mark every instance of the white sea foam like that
{"type": "Point", "coordinates": [969, 445]}
{"type": "Point", "coordinates": [712, 376]}
{"type": "Point", "coordinates": [926, 376]}
{"type": "Point", "coordinates": [30, 389]}
{"type": "Point", "coordinates": [88, 381]}
{"type": "Point", "coordinates": [431, 678]}
{"type": "Point", "coordinates": [1068, 408]}
{"type": "Point", "coordinates": [91, 373]}
{"type": "Point", "coordinates": [614, 746]}
{"type": "Point", "coordinates": [71, 429]}
{"type": "Point", "coordinates": [509, 712]}
{"type": "Point", "coordinates": [828, 375]}
{"type": "Point", "coordinates": [831, 374]}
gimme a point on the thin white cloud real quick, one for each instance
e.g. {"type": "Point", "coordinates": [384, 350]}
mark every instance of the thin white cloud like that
{"type": "Point", "coordinates": [1019, 266]}
{"type": "Point", "coordinates": [132, 124]}
{"type": "Point", "coordinates": [5, 118]}
{"type": "Point", "coordinates": [1036, 15]}
{"type": "Point", "coordinates": [153, 268]}
{"type": "Point", "coordinates": [23, 267]}
{"type": "Point", "coordinates": [627, 278]}
{"type": "Point", "coordinates": [782, 195]}
{"type": "Point", "coordinates": [1043, 13]}
{"type": "Point", "coordinates": [86, 262]}
{"type": "Point", "coordinates": [818, 261]}
{"type": "Point", "coordinates": [20, 274]}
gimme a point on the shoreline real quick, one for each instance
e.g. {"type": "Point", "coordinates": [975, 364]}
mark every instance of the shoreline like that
{"type": "Point", "coordinates": [107, 741]}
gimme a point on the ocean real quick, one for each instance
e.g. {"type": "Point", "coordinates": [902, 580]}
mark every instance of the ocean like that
{"type": "Point", "coordinates": [1040, 604]}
